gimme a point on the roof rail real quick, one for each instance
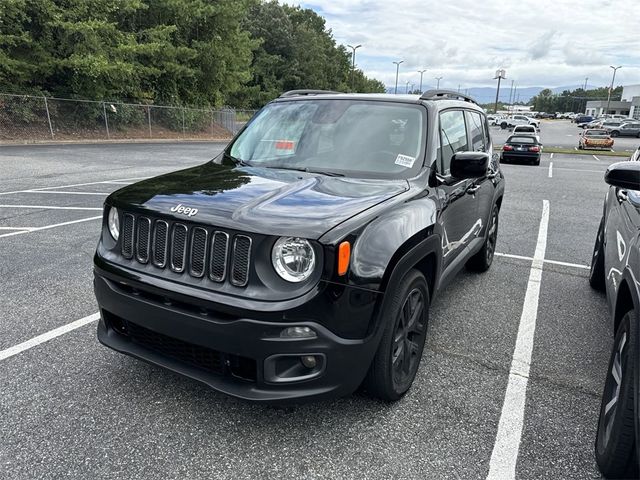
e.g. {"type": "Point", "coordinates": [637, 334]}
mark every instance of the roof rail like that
{"type": "Point", "coordinates": [446, 94]}
{"type": "Point", "coordinates": [295, 93]}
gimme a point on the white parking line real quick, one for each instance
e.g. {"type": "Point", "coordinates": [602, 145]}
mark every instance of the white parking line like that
{"type": "Point", "coordinates": [550, 169]}
{"type": "Point", "coordinates": [551, 157]}
{"type": "Point", "coordinates": [46, 227]}
{"type": "Point", "coordinates": [16, 228]}
{"type": "Point", "coordinates": [117, 180]}
{"type": "Point", "coordinates": [45, 337]}
{"type": "Point", "coordinates": [65, 192]}
{"type": "Point", "coordinates": [553, 262]}
{"type": "Point", "coordinates": [595, 157]}
{"type": "Point", "coordinates": [505, 450]}
{"type": "Point", "coordinates": [51, 207]}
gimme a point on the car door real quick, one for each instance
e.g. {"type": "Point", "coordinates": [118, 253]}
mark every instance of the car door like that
{"type": "Point", "coordinates": [623, 221]}
{"type": "Point", "coordinates": [459, 214]}
{"type": "Point", "coordinates": [482, 188]}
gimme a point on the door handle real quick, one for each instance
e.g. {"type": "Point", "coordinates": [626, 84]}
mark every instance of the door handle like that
{"type": "Point", "coordinates": [622, 196]}
{"type": "Point", "coordinates": [473, 189]}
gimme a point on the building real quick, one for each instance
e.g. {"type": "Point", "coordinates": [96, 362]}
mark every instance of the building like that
{"type": "Point", "coordinates": [628, 105]}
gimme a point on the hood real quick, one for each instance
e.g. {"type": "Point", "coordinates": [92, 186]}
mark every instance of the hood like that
{"type": "Point", "coordinates": [260, 200]}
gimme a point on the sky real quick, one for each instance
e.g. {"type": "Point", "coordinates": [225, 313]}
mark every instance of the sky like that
{"type": "Point", "coordinates": [539, 43]}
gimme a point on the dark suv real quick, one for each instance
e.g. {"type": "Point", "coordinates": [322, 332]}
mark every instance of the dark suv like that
{"type": "Point", "coordinates": [301, 262]}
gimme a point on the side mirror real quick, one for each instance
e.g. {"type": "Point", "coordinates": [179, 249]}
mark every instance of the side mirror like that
{"type": "Point", "coordinates": [622, 175]}
{"type": "Point", "coordinates": [469, 164]}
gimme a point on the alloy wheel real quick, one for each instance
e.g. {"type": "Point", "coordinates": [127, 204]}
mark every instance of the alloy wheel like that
{"type": "Point", "coordinates": [407, 338]}
{"type": "Point", "coordinates": [493, 235]}
{"type": "Point", "coordinates": [614, 382]}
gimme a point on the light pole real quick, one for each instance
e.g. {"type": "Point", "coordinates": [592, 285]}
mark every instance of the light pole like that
{"type": "Point", "coordinates": [353, 61]}
{"type": "Point", "coordinates": [586, 79]}
{"type": "Point", "coordinates": [407, 88]}
{"type": "Point", "coordinates": [511, 92]}
{"type": "Point", "coordinates": [438, 86]}
{"type": "Point", "coordinates": [397, 71]}
{"type": "Point", "coordinates": [421, 72]}
{"type": "Point", "coordinates": [500, 74]}
{"type": "Point", "coordinates": [613, 79]}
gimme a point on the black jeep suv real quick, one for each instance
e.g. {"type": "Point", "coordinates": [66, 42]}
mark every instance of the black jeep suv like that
{"type": "Point", "coordinates": [301, 262]}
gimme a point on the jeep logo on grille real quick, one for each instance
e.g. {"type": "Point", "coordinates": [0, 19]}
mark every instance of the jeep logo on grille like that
{"type": "Point", "coordinates": [188, 211]}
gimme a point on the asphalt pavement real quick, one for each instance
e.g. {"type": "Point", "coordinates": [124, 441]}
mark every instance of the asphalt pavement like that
{"type": "Point", "coordinates": [72, 408]}
{"type": "Point", "coordinates": [564, 134]}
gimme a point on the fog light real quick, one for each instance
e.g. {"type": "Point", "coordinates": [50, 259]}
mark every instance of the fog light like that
{"type": "Point", "coordinates": [309, 361]}
{"type": "Point", "coordinates": [297, 332]}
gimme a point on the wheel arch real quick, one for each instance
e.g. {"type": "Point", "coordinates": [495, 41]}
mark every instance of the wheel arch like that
{"type": "Point", "coordinates": [627, 298]}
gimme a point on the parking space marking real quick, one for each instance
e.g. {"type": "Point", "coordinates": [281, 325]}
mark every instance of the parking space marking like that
{"type": "Point", "coordinates": [51, 207]}
{"type": "Point", "coordinates": [45, 337]}
{"type": "Point", "coordinates": [505, 450]}
{"type": "Point", "coordinates": [17, 228]}
{"type": "Point", "coordinates": [65, 192]}
{"type": "Point", "coordinates": [552, 262]}
{"type": "Point", "coordinates": [47, 227]}
{"type": "Point", "coordinates": [55, 187]}
{"type": "Point", "coordinates": [551, 156]}
{"type": "Point", "coordinates": [550, 169]}
{"type": "Point", "coordinates": [595, 157]}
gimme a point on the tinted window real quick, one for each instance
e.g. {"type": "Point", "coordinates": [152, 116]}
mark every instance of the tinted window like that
{"type": "Point", "coordinates": [521, 140]}
{"type": "Point", "coordinates": [453, 137]}
{"type": "Point", "coordinates": [474, 124]}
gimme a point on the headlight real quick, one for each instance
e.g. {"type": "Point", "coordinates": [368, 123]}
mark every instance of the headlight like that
{"type": "Point", "coordinates": [293, 258]}
{"type": "Point", "coordinates": [113, 221]}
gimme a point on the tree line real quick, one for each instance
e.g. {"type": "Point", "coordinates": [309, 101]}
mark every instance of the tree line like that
{"type": "Point", "coordinates": [571, 100]}
{"type": "Point", "coordinates": [241, 53]}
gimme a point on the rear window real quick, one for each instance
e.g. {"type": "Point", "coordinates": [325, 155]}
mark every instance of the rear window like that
{"type": "Point", "coordinates": [521, 140]}
{"type": "Point", "coordinates": [596, 133]}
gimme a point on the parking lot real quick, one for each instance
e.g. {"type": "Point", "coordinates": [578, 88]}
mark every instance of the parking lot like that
{"type": "Point", "coordinates": [73, 408]}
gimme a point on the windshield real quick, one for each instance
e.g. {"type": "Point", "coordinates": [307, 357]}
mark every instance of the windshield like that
{"type": "Point", "coordinates": [351, 137]}
{"type": "Point", "coordinates": [596, 133]}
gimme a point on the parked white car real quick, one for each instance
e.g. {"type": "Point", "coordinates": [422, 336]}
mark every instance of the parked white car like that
{"type": "Point", "coordinates": [515, 120]}
{"type": "Point", "coordinates": [526, 130]}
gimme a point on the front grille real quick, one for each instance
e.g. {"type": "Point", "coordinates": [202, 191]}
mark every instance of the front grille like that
{"type": "Point", "coordinates": [187, 249]}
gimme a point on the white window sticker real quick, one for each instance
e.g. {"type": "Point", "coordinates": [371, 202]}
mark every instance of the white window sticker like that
{"type": "Point", "coordinates": [405, 160]}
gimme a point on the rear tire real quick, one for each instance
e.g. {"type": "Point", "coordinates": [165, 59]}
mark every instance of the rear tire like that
{"type": "Point", "coordinates": [503, 125]}
{"type": "Point", "coordinates": [615, 439]}
{"type": "Point", "coordinates": [406, 318]}
{"type": "Point", "coordinates": [482, 260]}
{"type": "Point", "coordinates": [596, 272]}
{"type": "Point", "coordinates": [615, 134]}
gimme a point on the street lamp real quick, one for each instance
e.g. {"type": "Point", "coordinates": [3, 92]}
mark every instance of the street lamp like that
{"type": "Point", "coordinates": [500, 74]}
{"type": "Point", "coordinates": [421, 72]}
{"type": "Point", "coordinates": [397, 71]}
{"type": "Point", "coordinates": [353, 61]}
{"type": "Point", "coordinates": [438, 79]}
{"type": "Point", "coordinates": [407, 88]}
{"type": "Point", "coordinates": [613, 79]}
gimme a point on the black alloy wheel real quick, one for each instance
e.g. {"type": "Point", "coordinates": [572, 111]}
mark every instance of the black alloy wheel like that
{"type": "Point", "coordinates": [482, 260]}
{"type": "Point", "coordinates": [596, 271]}
{"type": "Point", "coordinates": [405, 318]}
{"type": "Point", "coordinates": [615, 440]}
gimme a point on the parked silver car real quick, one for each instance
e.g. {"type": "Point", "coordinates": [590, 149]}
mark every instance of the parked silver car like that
{"type": "Point", "coordinates": [627, 129]}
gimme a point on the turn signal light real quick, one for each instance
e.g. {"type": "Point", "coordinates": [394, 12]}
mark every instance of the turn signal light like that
{"type": "Point", "coordinates": [344, 255]}
{"type": "Point", "coordinates": [507, 147]}
{"type": "Point", "coordinates": [534, 149]}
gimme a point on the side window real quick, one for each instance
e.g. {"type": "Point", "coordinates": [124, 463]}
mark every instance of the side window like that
{"type": "Point", "coordinates": [453, 137]}
{"type": "Point", "coordinates": [474, 124]}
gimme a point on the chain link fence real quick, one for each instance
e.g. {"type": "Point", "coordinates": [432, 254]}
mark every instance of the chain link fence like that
{"type": "Point", "coordinates": [26, 118]}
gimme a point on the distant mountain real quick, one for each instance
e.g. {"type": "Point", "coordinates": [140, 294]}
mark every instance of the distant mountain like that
{"type": "Point", "coordinates": [488, 94]}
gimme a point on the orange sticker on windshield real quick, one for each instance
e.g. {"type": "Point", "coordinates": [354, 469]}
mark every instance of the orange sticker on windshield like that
{"type": "Point", "coordinates": [285, 145]}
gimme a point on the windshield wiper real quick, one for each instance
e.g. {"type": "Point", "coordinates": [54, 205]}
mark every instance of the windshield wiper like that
{"type": "Point", "coordinates": [308, 170]}
{"type": "Point", "coordinates": [239, 161]}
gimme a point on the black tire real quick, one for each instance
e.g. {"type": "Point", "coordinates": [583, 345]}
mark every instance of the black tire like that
{"type": "Point", "coordinates": [596, 272]}
{"type": "Point", "coordinates": [482, 260]}
{"type": "Point", "coordinates": [579, 146]}
{"type": "Point", "coordinates": [392, 372]}
{"type": "Point", "coordinates": [615, 134]}
{"type": "Point", "coordinates": [504, 125]}
{"type": "Point", "coordinates": [615, 439]}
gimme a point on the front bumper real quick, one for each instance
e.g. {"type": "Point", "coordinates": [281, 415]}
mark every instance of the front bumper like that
{"type": "Point", "coordinates": [242, 357]}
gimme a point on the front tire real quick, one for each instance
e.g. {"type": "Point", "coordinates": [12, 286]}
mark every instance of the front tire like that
{"type": "Point", "coordinates": [596, 272]}
{"type": "Point", "coordinates": [615, 439]}
{"type": "Point", "coordinates": [406, 317]}
{"type": "Point", "coordinates": [482, 260]}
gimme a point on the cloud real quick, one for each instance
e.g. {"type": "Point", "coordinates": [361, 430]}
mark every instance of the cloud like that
{"type": "Point", "coordinates": [538, 42]}
{"type": "Point", "coordinates": [540, 48]}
